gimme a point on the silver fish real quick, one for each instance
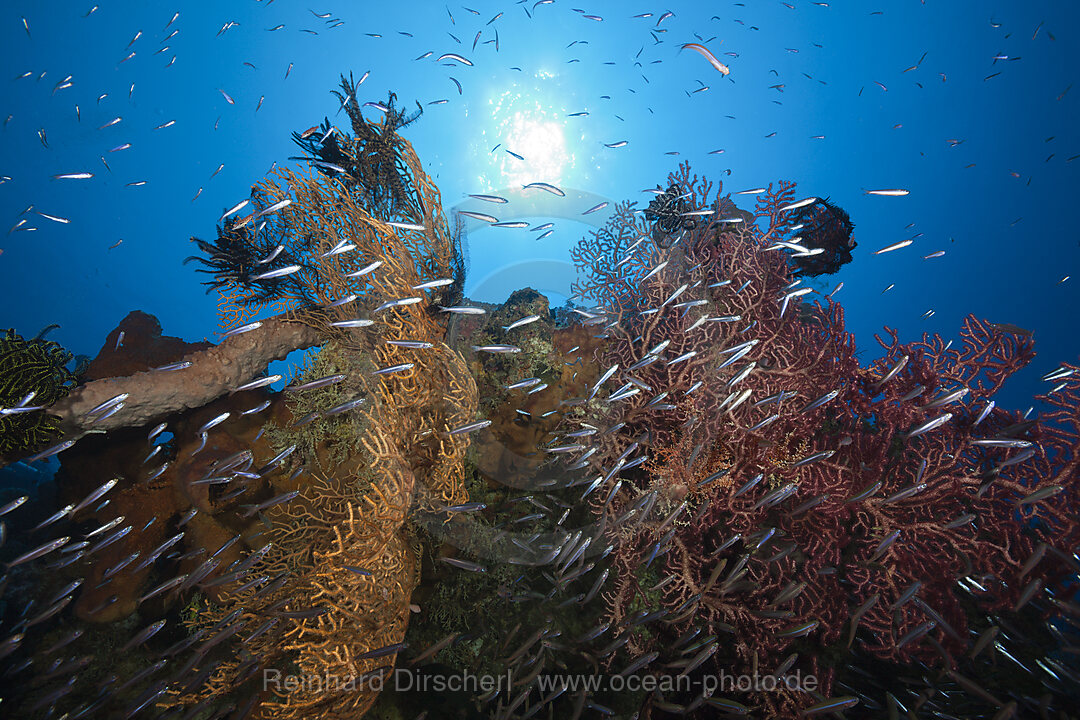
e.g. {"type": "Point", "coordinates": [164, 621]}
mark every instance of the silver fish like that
{"type": "Point", "coordinates": [496, 348]}
{"type": "Point", "coordinates": [470, 427]}
{"type": "Point", "coordinates": [464, 564]}
{"type": "Point", "coordinates": [433, 284]}
{"type": "Point", "coordinates": [365, 270]}
{"type": "Point", "coordinates": [526, 383]}
{"type": "Point", "coordinates": [358, 323]}
{"type": "Point", "coordinates": [274, 208]}
{"type": "Point", "coordinates": [280, 272]}
{"type": "Point", "coordinates": [478, 216]}
{"type": "Point", "coordinates": [394, 369]}
{"type": "Point", "coordinates": [242, 329]}
{"type": "Point", "coordinates": [214, 422]}
{"type": "Point", "coordinates": [39, 551]}
{"type": "Point", "coordinates": [521, 322]}
{"type": "Point", "coordinates": [13, 504]}
{"type": "Point", "coordinates": [546, 187]}
{"type": "Point", "coordinates": [283, 498]}
{"type": "Point", "coordinates": [342, 247]}
{"type": "Point", "coordinates": [343, 301]}
{"type": "Point", "coordinates": [400, 302]}
{"type": "Point", "coordinates": [655, 270]}
{"type": "Point", "coordinates": [258, 383]}
{"type": "Point", "coordinates": [257, 409]}
{"type": "Point", "coordinates": [929, 425]}
{"type": "Point", "coordinates": [410, 344]}
{"type": "Point", "coordinates": [318, 383]}
{"type": "Point", "coordinates": [406, 226]}
{"type": "Point", "coordinates": [96, 494]}
{"type": "Point", "coordinates": [799, 204]}
{"type": "Point", "coordinates": [58, 515]}
{"type": "Point", "coordinates": [464, 310]}
{"type": "Point", "coordinates": [821, 401]}
{"type": "Point", "coordinates": [273, 254]}
{"type": "Point", "coordinates": [234, 209]}
{"type": "Point", "coordinates": [49, 452]}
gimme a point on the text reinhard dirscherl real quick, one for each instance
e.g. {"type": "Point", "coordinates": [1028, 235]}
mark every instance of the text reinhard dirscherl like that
{"type": "Point", "coordinates": [407, 680]}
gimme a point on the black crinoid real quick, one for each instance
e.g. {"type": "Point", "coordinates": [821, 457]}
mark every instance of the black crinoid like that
{"type": "Point", "coordinates": [369, 162]}
{"type": "Point", "coordinates": [665, 212]}
{"type": "Point", "coordinates": [824, 226]}
{"type": "Point", "coordinates": [243, 256]}
{"type": "Point", "coordinates": [32, 373]}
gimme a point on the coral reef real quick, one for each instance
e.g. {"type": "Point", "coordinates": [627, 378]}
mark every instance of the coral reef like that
{"type": "Point", "coordinates": [781, 475]}
{"type": "Point", "coordinates": [338, 568]}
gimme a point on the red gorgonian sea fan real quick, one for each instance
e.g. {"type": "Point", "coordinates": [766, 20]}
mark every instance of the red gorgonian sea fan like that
{"type": "Point", "coordinates": [788, 502]}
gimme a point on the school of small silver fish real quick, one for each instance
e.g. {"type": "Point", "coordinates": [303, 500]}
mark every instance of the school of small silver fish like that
{"type": "Point", "coordinates": [36, 632]}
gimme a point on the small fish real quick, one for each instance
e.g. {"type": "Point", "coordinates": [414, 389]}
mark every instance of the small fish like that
{"type": "Point", "coordinates": [13, 504]}
{"type": "Point", "coordinates": [595, 208]}
{"type": "Point", "coordinates": [343, 246]}
{"type": "Point", "coordinates": [466, 507]}
{"type": "Point", "coordinates": [887, 193]}
{"type": "Point", "coordinates": [283, 498]}
{"type": "Point", "coordinates": [798, 204]}
{"type": "Point", "coordinates": [655, 270]}
{"type": "Point", "coordinates": [357, 570]}
{"type": "Point", "coordinates": [316, 384]}
{"type": "Point", "coordinates": [406, 226]}
{"type": "Point", "coordinates": [280, 272]}
{"type": "Point", "coordinates": [95, 495]}
{"type": "Point", "coordinates": [511, 152]}
{"type": "Point", "coordinates": [464, 310]}
{"type": "Point", "coordinates": [545, 186]}
{"type": "Point", "coordinates": [705, 53]}
{"type": "Point", "coordinates": [470, 427]}
{"type": "Point", "coordinates": [453, 56]}
{"type": "Point", "coordinates": [619, 144]}
{"type": "Point", "coordinates": [464, 564]}
{"type": "Point", "coordinates": [242, 329]}
{"type": "Point", "coordinates": [74, 176]}
{"type": "Point", "coordinates": [821, 400]}
{"type": "Point", "coordinates": [511, 224]}
{"type": "Point", "coordinates": [1041, 494]}
{"type": "Point", "coordinates": [394, 369]}
{"type": "Point", "coordinates": [343, 301]}
{"type": "Point", "coordinates": [521, 322]}
{"type": "Point", "coordinates": [358, 323]}
{"type": "Point", "coordinates": [496, 349]}
{"type": "Point", "coordinates": [831, 705]}
{"type": "Point", "coordinates": [400, 302]}
{"type": "Point", "coordinates": [410, 344]}
{"type": "Point", "coordinates": [478, 216]}
{"type": "Point", "coordinates": [366, 269]}
{"type": "Point", "coordinates": [209, 424]}
{"type": "Point", "coordinates": [39, 551]}
{"type": "Point", "coordinates": [929, 425]}
{"type": "Point", "coordinates": [491, 198]}
{"type": "Point", "coordinates": [800, 630]}
{"type": "Point", "coordinates": [521, 384]}
{"type": "Point", "coordinates": [894, 246]}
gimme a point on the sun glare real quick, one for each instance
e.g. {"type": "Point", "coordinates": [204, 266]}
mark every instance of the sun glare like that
{"type": "Point", "coordinates": [541, 144]}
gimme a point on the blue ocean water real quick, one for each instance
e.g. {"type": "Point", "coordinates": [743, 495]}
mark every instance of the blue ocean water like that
{"type": "Point", "coordinates": [129, 128]}
{"type": "Point", "coordinates": [967, 105]}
